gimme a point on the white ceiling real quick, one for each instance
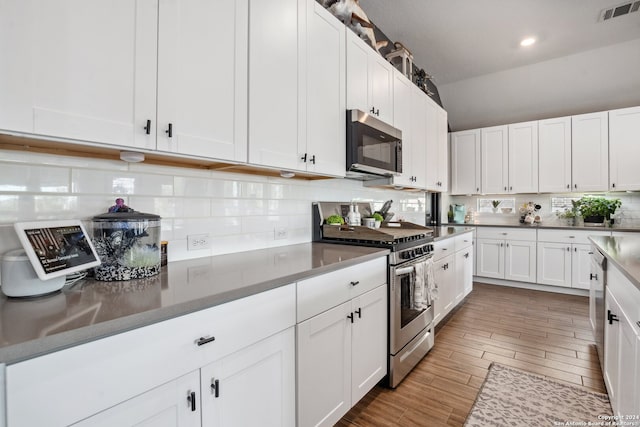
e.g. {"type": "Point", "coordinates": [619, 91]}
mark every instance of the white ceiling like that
{"type": "Point", "coordinates": [456, 40]}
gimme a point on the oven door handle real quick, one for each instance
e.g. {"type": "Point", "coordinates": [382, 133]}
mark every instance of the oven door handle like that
{"type": "Point", "coordinates": [405, 270]}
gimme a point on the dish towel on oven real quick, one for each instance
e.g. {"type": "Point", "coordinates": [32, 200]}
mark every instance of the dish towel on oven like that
{"type": "Point", "coordinates": [430, 281]}
{"type": "Point", "coordinates": [421, 297]}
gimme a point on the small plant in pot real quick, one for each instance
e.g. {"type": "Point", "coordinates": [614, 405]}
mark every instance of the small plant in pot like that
{"type": "Point", "coordinates": [378, 219]}
{"type": "Point", "coordinates": [334, 220]}
{"type": "Point", "coordinates": [568, 215]}
{"type": "Point", "coordinates": [595, 210]}
{"type": "Point", "coordinates": [495, 204]}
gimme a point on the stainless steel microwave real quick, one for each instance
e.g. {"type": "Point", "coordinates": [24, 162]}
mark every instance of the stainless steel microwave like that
{"type": "Point", "coordinates": [373, 147]}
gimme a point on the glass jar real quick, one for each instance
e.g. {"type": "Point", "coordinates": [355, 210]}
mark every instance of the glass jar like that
{"type": "Point", "coordinates": [128, 244]}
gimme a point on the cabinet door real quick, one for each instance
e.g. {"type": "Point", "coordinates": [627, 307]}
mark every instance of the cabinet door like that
{"type": "Point", "coordinates": [324, 367]}
{"type": "Point", "coordinates": [80, 69]}
{"type": "Point", "coordinates": [442, 131]}
{"type": "Point", "coordinates": [611, 349]}
{"type": "Point", "coordinates": [432, 152]}
{"type": "Point", "coordinates": [490, 262]}
{"type": "Point", "coordinates": [464, 273]}
{"type": "Point", "coordinates": [554, 264]}
{"type": "Point", "coordinates": [381, 86]}
{"type": "Point", "coordinates": [465, 162]}
{"type": "Point", "coordinates": [202, 83]}
{"type": "Point", "coordinates": [419, 137]}
{"type": "Point", "coordinates": [322, 75]}
{"type": "Point", "coordinates": [495, 160]}
{"type": "Point", "coordinates": [273, 83]}
{"type": "Point", "coordinates": [174, 404]}
{"type": "Point", "coordinates": [357, 73]}
{"type": "Point", "coordinates": [369, 342]}
{"type": "Point", "coordinates": [624, 149]}
{"type": "Point", "coordinates": [628, 389]}
{"type": "Point", "coordinates": [554, 155]}
{"type": "Point", "coordinates": [254, 386]}
{"type": "Point", "coordinates": [590, 152]}
{"type": "Point", "coordinates": [444, 274]}
{"type": "Point", "coordinates": [520, 261]}
{"type": "Point", "coordinates": [402, 91]}
{"type": "Point", "coordinates": [580, 266]}
{"type": "Point", "coordinates": [523, 157]}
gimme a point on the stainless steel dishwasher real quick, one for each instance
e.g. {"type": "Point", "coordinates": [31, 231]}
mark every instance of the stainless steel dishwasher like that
{"type": "Point", "coordinates": [596, 299]}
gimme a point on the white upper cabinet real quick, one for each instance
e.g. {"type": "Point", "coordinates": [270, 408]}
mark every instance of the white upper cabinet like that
{"type": "Point", "coordinates": [624, 149]}
{"type": "Point", "coordinates": [523, 157]}
{"type": "Point", "coordinates": [202, 83]}
{"type": "Point", "coordinates": [495, 159]}
{"type": "Point", "coordinates": [590, 152]}
{"type": "Point", "coordinates": [465, 162]}
{"type": "Point", "coordinates": [322, 109]}
{"type": "Point", "coordinates": [369, 79]}
{"type": "Point", "coordinates": [273, 83]}
{"type": "Point", "coordinates": [554, 155]}
{"type": "Point", "coordinates": [419, 136]}
{"type": "Point", "coordinates": [80, 69]}
{"type": "Point", "coordinates": [437, 151]}
{"type": "Point", "coordinates": [402, 90]}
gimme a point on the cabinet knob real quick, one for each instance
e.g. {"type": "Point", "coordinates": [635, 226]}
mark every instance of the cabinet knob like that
{"type": "Point", "coordinates": [575, 186]}
{"type": "Point", "coordinates": [593, 276]}
{"type": "Point", "coordinates": [191, 400]}
{"type": "Point", "coordinates": [466, 255]}
{"type": "Point", "coordinates": [613, 185]}
{"type": "Point", "coordinates": [568, 249]}
{"type": "Point", "coordinates": [478, 189]}
{"type": "Point", "coordinates": [357, 282]}
{"type": "Point", "coordinates": [612, 317]}
{"type": "Point", "coordinates": [510, 188]}
{"type": "Point", "coordinates": [205, 340]}
{"type": "Point", "coordinates": [215, 388]}
{"type": "Point", "coordinates": [568, 186]}
{"type": "Point", "coordinates": [304, 158]}
{"type": "Point", "coordinates": [147, 128]}
{"type": "Point", "coordinates": [169, 130]}
{"type": "Point", "coordinates": [350, 317]}
{"type": "Point", "coordinates": [359, 311]}
{"type": "Point", "coordinates": [313, 159]}
{"type": "Point", "coordinates": [505, 188]}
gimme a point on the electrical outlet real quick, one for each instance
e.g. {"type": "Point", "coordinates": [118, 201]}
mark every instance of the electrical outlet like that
{"type": "Point", "coordinates": [280, 233]}
{"type": "Point", "coordinates": [198, 241]}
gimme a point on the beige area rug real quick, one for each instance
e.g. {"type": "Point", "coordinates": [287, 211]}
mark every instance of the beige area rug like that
{"type": "Point", "coordinates": [511, 397]}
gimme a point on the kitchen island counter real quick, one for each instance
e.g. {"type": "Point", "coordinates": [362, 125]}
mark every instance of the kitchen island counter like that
{"type": "Point", "coordinates": [447, 231]}
{"type": "Point", "coordinates": [91, 310]}
{"type": "Point", "coordinates": [624, 252]}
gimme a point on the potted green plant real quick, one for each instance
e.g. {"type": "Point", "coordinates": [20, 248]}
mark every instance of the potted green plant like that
{"type": "Point", "coordinates": [568, 215]}
{"type": "Point", "coordinates": [334, 220]}
{"type": "Point", "coordinates": [379, 218]}
{"type": "Point", "coordinates": [495, 204]}
{"type": "Point", "coordinates": [595, 210]}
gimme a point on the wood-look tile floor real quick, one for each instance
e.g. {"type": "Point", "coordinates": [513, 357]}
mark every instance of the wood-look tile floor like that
{"type": "Point", "coordinates": [541, 332]}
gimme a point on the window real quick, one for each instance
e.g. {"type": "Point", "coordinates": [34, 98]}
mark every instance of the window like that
{"type": "Point", "coordinates": [486, 205]}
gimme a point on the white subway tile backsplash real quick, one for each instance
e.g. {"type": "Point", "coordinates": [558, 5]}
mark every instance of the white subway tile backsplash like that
{"type": "Point", "coordinates": [34, 179]}
{"type": "Point", "coordinates": [115, 182]}
{"type": "Point", "coordinates": [240, 212]}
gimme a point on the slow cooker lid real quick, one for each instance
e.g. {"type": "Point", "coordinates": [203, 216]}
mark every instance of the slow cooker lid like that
{"type": "Point", "coordinates": [126, 216]}
{"type": "Point", "coordinates": [15, 255]}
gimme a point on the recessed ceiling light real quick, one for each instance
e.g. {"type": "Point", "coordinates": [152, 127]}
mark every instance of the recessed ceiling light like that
{"type": "Point", "coordinates": [528, 41]}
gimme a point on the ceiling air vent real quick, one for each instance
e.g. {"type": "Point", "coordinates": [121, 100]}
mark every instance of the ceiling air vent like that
{"type": "Point", "coordinates": [619, 10]}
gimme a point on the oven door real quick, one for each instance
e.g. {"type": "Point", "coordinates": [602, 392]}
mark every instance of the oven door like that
{"type": "Point", "coordinates": [406, 321]}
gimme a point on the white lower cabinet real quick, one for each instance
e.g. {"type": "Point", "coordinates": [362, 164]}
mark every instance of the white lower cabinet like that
{"type": "Point", "coordinates": [622, 343]}
{"type": "Point", "coordinates": [341, 340]}
{"type": "Point", "coordinates": [563, 257]}
{"type": "Point", "coordinates": [464, 273]}
{"type": "Point", "coordinates": [151, 375]}
{"type": "Point", "coordinates": [342, 354]}
{"type": "Point", "coordinates": [508, 254]}
{"type": "Point", "coordinates": [260, 377]}
{"type": "Point", "coordinates": [444, 274]}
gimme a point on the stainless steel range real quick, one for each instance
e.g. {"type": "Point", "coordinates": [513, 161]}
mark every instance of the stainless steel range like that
{"type": "Point", "coordinates": [410, 316]}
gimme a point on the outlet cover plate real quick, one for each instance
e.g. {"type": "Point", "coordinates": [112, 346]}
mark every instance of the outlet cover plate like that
{"type": "Point", "coordinates": [197, 242]}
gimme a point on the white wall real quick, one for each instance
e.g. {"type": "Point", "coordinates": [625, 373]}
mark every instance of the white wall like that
{"type": "Point", "coordinates": [240, 212]}
{"type": "Point", "coordinates": [595, 80]}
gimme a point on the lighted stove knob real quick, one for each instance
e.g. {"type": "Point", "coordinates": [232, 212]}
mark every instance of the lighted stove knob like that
{"type": "Point", "coordinates": [418, 251]}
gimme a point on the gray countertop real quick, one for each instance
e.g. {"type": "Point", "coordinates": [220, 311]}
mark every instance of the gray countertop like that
{"type": "Point", "coordinates": [446, 231]}
{"type": "Point", "coordinates": [91, 309]}
{"type": "Point", "coordinates": [624, 252]}
{"type": "Point", "coordinates": [549, 227]}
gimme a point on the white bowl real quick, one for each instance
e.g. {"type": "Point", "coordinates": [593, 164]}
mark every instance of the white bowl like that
{"type": "Point", "coordinates": [506, 210]}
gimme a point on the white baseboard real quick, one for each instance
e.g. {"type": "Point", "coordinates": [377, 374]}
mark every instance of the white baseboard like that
{"type": "Point", "coordinates": [532, 286]}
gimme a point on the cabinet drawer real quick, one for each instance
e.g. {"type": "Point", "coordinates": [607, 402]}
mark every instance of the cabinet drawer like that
{"type": "Point", "coordinates": [463, 241]}
{"type": "Point", "coordinates": [323, 292]}
{"type": "Point", "coordinates": [72, 384]}
{"type": "Point", "coordinates": [443, 248]}
{"type": "Point", "coordinates": [506, 233]}
{"type": "Point", "coordinates": [569, 236]}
